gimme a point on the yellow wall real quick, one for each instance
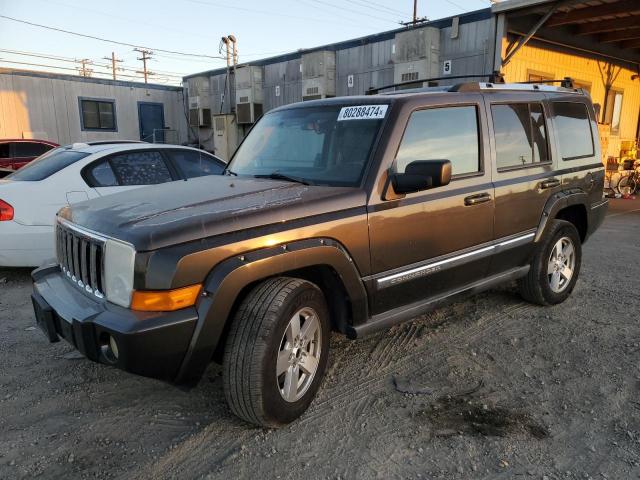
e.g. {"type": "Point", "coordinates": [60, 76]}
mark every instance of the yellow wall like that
{"type": "Point", "coordinates": [533, 59]}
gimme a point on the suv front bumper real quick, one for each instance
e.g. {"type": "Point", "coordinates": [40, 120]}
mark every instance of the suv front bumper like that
{"type": "Point", "coordinates": [152, 344]}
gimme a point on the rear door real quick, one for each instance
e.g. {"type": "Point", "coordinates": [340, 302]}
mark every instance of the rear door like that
{"type": "Point", "coordinates": [523, 173]}
{"type": "Point", "coordinates": [128, 170]}
{"type": "Point", "coordinates": [577, 143]}
{"type": "Point", "coordinates": [433, 242]}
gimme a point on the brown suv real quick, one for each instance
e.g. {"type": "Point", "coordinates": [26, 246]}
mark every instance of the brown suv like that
{"type": "Point", "coordinates": [346, 214]}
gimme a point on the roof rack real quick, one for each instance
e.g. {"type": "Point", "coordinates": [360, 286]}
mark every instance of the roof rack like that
{"type": "Point", "coordinates": [496, 82]}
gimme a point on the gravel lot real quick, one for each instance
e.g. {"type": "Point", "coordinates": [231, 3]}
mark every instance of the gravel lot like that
{"type": "Point", "coordinates": [490, 387]}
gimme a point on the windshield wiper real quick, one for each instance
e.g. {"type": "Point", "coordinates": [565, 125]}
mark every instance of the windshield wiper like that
{"type": "Point", "coordinates": [283, 176]}
{"type": "Point", "coordinates": [229, 172]}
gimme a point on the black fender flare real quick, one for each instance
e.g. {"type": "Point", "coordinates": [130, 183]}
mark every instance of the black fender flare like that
{"type": "Point", "coordinates": [227, 279]}
{"type": "Point", "coordinates": [559, 201]}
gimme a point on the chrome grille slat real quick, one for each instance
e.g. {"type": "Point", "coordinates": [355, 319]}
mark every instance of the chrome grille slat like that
{"type": "Point", "coordinates": [92, 266]}
{"type": "Point", "coordinates": [81, 256]}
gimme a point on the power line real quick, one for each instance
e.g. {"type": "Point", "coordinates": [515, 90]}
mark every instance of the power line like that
{"type": "Point", "coordinates": [71, 60]}
{"type": "Point", "coordinates": [379, 7]}
{"type": "Point", "coordinates": [2, 60]}
{"type": "Point", "coordinates": [187, 54]}
{"type": "Point", "coordinates": [343, 9]}
{"type": "Point", "coordinates": [277, 14]}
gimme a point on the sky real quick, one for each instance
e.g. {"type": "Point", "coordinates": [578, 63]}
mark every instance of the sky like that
{"type": "Point", "coordinates": [262, 29]}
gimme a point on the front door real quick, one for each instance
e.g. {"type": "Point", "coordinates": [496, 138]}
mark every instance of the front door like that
{"type": "Point", "coordinates": [433, 242]}
{"type": "Point", "coordinates": [151, 118]}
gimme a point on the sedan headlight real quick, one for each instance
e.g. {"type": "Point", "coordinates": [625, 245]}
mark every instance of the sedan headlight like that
{"type": "Point", "coordinates": [118, 272]}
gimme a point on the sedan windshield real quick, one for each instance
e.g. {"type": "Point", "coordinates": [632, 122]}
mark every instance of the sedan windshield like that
{"type": "Point", "coordinates": [46, 165]}
{"type": "Point", "coordinates": [315, 145]}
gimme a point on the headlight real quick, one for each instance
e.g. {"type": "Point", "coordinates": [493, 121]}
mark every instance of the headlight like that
{"type": "Point", "coordinates": [118, 272]}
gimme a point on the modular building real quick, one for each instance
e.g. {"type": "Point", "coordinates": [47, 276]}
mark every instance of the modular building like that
{"type": "Point", "coordinates": [67, 109]}
{"type": "Point", "coordinates": [595, 42]}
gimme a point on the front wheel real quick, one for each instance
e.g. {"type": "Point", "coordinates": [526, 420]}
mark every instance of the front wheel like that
{"type": "Point", "coordinates": [627, 185]}
{"type": "Point", "coordinates": [555, 266]}
{"type": "Point", "coordinates": [276, 352]}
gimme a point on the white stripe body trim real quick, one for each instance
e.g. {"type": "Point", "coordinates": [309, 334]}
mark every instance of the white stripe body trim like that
{"type": "Point", "coordinates": [412, 273]}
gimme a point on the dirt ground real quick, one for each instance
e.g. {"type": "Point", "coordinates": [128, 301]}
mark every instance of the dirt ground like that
{"type": "Point", "coordinates": [487, 388]}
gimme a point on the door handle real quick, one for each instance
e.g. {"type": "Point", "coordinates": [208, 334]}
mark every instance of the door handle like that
{"type": "Point", "coordinates": [551, 183]}
{"type": "Point", "coordinates": [476, 199]}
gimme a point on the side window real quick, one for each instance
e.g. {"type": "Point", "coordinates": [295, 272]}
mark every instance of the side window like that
{"type": "Point", "coordinates": [4, 150]}
{"type": "Point", "coordinates": [520, 135]}
{"type": "Point", "coordinates": [447, 133]}
{"type": "Point", "coordinates": [195, 164]}
{"type": "Point", "coordinates": [98, 114]}
{"type": "Point", "coordinates": [101, 175]}
{"type": "Point", "coordinates": [29, 149]}
{"type": "Point", "coordinates": [140, 168]}
{"type": "Point", "coordinates": [573, 130]}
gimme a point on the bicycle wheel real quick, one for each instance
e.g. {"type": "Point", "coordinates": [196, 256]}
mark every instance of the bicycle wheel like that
{"type": "Point", "coordinates": [626, 185]}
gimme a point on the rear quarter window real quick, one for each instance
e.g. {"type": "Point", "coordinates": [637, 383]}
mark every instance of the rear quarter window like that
{"type": "Point", "coordinates": [573, 129]}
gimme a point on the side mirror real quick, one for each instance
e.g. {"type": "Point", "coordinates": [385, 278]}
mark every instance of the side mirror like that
{"type": "Point", "coordinates": [422, 175]}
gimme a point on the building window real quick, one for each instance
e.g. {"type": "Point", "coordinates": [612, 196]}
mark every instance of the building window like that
{"type": "Point", "coordinates": [613, 111]}
{"type": "Point", "coordinates": [573, 130]}
{"type": "Point", "coordinates": [97, 114]}
{"type": "Point", "coordinates": [449, 133]}
{"type": "Point", "coordinates": [521, 135]}
{"type": "Point", "coordinates": [538, 77]}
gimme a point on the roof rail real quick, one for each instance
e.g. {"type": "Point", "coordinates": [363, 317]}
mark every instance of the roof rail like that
{"type": "Point", "coordinates": [495, 77]}
{"type": "Point", "coordinates": [519, 87]}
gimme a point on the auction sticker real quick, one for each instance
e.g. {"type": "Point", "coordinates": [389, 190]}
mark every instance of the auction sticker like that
{"type": "Point", "coordinates": [363, 112]}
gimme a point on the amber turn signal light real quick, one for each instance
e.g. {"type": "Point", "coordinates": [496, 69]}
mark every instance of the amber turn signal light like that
{"type": "Point", "coordinates": [165, 300]}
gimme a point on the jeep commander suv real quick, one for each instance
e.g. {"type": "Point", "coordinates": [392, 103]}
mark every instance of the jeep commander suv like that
{"type": "Point", "coordinates": [349, 214]}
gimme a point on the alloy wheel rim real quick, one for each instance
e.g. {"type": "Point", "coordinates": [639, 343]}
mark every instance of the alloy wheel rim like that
{"type": "Point", "coordinates": [299, 354]}
{"type": "Point", "coordinates": [561, 265]}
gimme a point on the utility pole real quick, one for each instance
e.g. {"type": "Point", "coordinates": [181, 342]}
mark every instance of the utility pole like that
{"type": "Point", "coordinates": [84, 71]}
{"type": "Point", "coordinates": [415, 12]}
{"type": "Point", "coordinates": [146, 55]}
{"type": "Point", "coordinates": [114, 61]}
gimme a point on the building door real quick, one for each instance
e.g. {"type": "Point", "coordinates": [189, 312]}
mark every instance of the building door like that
{"type": "Point", "coordinates": [151, 122]}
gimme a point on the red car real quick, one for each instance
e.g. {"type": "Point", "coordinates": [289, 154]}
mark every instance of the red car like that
{"type": "Point", "coordinates": [16, 153]}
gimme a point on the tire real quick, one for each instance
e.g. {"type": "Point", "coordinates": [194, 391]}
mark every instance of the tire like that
{"type": "Point", "coordinates": [546, 282]}
{"type": "Point", "coordinates": [262, 353]}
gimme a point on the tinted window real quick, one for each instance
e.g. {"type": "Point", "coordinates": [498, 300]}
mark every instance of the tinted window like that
{"type": "Point", "coordinates": [46, 166]}
{"type": "Point", "coordinates": [98, 115]}
{"type": "Point", "coordinates": [574, 130]}
{"type": "Point", "coordinates": [101, 175]}
{"type": "Point", "coordinates": [4, 150]}
{"type": "Point", "coordinates": [196, 164]}
{"type": "Point", "coordinates": [140, 168]}
{"type": "Point", "coordinates": [29, 149]}
{"type": "Point", "coordinates": [538, 133]}
{"type": "Point", "coordinates": [520, 134]}
{"type": "Point", "coordinates": [442, 134]}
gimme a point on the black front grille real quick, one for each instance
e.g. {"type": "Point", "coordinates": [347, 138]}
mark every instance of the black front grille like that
{"type": "Point", "coordinates": [81, 257]}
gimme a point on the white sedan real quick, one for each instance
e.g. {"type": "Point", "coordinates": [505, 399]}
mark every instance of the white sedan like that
{"type": "Point", "coordinates": [30, 197]}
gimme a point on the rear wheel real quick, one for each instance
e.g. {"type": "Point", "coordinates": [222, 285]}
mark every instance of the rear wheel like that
{"type": "Point", "coordinates": [555, 266]}
{"type": "Point", "coordinates": [627, 185]}
{"type": "Point", "coordinates": [276, 352]}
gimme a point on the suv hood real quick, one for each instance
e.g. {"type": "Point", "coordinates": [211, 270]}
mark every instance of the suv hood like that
{"type": "Point", "coordinates": [172, 213]}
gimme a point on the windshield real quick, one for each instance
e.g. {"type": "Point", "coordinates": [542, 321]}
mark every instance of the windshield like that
{"type": "Point", "coordinates": [46, 165]}
{"type": "Point", "coordinates": [315, 145]}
